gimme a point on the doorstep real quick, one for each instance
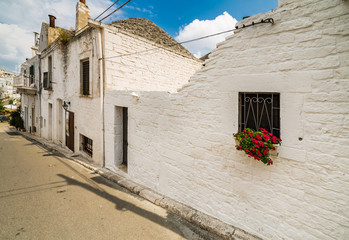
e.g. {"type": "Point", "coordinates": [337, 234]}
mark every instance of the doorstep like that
{"type": "Point", "coordinates": [190, 214]}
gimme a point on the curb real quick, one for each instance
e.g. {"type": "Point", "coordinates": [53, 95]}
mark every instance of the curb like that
{"type": "Point", "coordinates": [190, 214]}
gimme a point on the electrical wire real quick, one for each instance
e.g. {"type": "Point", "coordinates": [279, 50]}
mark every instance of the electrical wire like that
{"type": "Point", "coordinates": [115, 10]}
{"type": "Point", "coordinates": [83, 28]}
{"type": "Point", "coordinates": [268, 20]}
{"type": "Point", "coordinates": [106, 9]}
{"type": "Point", "coordinates": [171, 45]}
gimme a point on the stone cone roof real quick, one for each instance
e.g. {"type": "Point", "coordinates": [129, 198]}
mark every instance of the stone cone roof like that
{"type": "Point", "coordinates": [150, 31]}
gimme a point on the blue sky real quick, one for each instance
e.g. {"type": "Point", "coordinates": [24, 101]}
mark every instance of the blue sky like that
{"type": "Point", "coordinates": [183, 20]}
{"type": "Point", "coordinates": [170, 15]}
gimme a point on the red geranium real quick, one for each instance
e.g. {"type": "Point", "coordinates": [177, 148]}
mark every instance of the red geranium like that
{"type": "Point", "coordinates": [257, 144]}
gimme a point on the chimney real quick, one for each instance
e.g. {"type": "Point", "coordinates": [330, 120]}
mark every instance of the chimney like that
{"type": "Point", "coordinates": [82, 15]}
{"type": "Point", "coordinates": [36, 39]}
{"type": "Point", "coordinates": [35, 47]}
{"type": "Point", "coordinates": [52, 21]}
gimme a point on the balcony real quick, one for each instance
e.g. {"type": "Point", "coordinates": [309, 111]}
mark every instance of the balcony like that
{"type": "Point", "coordinates": [22, 83]}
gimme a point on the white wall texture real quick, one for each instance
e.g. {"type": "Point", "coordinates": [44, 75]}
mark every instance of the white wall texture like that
{"type": "Point", "coordinates": [156, 70]}
{"type": "Point", "coordinates": [181, 144]}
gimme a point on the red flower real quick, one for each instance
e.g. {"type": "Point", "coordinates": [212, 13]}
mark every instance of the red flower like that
{"type": "Point", "coordinates": [257, 146]}
{"type": "Point", "coordinates": [270, 162]}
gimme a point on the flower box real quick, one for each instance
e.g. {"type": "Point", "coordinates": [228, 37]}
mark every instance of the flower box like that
{"type": "Point", "coordinates": [261, 145]}
{"type": "Point", "coordinates": [275, 153]}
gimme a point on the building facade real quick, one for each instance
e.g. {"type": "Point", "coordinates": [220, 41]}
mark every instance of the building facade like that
{"type": "Point", "coordinates": [76, 67]}
{"type": "Point", "coordinates": [140, 105]}
{"type": "Point", "coordinates": [181, 144]}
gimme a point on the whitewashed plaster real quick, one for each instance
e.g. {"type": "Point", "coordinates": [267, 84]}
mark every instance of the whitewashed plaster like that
{"type": "Point", "coordinates": [181, 144]}
{"type": "Point", "coordinates": [66, 87]}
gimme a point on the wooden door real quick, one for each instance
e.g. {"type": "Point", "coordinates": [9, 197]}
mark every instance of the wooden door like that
{"type": "Point", "coordinates": [69, 130]}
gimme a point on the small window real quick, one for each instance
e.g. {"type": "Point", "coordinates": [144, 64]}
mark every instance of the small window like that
{"type": "Point", "coordinates": [31, 76]}
{"type": "Point", "coordinates": [86, 145]}
{"type": "Point", "coordinates": [50, 72]}
{"type": "Point", "coordinates": [46, 83]}
{"type": "Point", "coordinates": [85, 77]}
{"type": "Point", "coordinates": [260, 110]}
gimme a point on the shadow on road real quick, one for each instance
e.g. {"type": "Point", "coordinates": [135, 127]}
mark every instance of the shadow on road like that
{"type": "Point", "coordinates": [121, 205]}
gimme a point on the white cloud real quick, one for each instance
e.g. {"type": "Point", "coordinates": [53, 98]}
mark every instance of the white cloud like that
{"type": "Point", "coordinates": [200, 28]}
{"type": "Point", "coordinates": [22, 18]}
{"type": "Point", "coordinates": [15, 45]}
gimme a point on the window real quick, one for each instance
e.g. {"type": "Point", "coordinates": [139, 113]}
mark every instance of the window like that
{"type": "Point", "coordinates": [47, 79]}
{"type": "Point", "coordinates": [50, 72]}
{"type": "Point", "coordinates": [46, 83]}
{"type": "Point", "coordinates": [85, 77]}
{"type": "Point", "coordinates": [31, 76]}
{"type": "Point", "coordinates": [260, 110]}
{"type": "Point", "coordinates": [86, 145]}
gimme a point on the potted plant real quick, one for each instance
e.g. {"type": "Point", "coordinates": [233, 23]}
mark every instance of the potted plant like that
{"type": "Point", "coordinates": [258, 144]}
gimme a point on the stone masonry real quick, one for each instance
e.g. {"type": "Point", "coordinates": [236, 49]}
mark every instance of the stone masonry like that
{"type": "Point", "coordinates": [181, 144]}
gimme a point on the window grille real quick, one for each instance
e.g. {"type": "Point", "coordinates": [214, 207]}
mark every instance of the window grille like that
{"type": "Point", "coordinates": [260, 110]}
{"type": "Point", "coordinates": [86, 77]}
{"type": "Point", "coordinates": [87, 145]}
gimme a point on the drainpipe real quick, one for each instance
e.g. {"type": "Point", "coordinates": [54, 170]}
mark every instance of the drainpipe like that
{"type": "Point", "coordinates": [102, 85]}
{"type": "Point", "coordinates": [39, 95]}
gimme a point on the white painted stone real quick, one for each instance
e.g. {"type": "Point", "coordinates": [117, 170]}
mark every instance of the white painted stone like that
{"type": "Point", "coordinates": [182, 144]}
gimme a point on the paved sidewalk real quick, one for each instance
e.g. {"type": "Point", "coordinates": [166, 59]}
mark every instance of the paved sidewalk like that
{"type": "Point", "coordinates": [203, 221]}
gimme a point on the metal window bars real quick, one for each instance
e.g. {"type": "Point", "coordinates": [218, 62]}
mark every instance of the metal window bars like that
{"type": "Point", "coordinates": [260, 110]}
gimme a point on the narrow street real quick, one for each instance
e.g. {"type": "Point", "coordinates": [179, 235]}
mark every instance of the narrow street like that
{"type": "Point", "coordinates": [46, 196]}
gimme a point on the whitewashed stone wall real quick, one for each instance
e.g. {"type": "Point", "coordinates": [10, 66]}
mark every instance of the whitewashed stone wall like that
{"type": "Point", "coordinates": [181, 144]}
{"type": "Point", "coordinates": [154, 70]}
{"type": "Point", "coordinates": [66, 87]}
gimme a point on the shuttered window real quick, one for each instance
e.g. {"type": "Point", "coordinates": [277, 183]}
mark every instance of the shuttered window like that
{"type": "Point", "coordinates": [85, 77]}
{"type": "Point", "coordinates": [31, 71]}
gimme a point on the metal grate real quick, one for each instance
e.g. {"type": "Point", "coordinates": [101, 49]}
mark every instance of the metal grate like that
{"type": "Point", "coordinates": [87, 145]}
{"type": "Point", "coordinates": [260, 110]}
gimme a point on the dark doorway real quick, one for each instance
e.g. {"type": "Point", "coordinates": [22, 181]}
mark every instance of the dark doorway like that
{"type": "Point", "coordinates": [124, 135]}
{"type": "Point", "coordinates": [69, 130]}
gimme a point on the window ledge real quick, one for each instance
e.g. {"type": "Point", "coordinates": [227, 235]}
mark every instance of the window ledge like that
{"type": "Point", "coordinates": [86, 96]}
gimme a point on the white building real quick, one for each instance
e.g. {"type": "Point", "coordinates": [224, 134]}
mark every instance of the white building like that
{"type": "Point", "coordinates": [131, 108]}
{"type": "Point", "coordinates": [6, 85]}
{"type": "Point", "coordinates": [181, 144]}
{"type": "Point", "coordinates": [75, 69]}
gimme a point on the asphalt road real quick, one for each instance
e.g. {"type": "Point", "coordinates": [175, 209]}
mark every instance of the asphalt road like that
{"type": "Point", "coordinates": [46, 196]}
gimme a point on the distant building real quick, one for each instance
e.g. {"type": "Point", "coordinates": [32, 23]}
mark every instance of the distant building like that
{"type": "Point", "coordinates": [6, 85]}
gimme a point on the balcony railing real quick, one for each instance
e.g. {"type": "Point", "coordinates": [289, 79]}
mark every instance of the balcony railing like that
{"type": "Point", "coordinates": [24, 81]}
{"type": "Point", "coordinates": [25, 84]}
